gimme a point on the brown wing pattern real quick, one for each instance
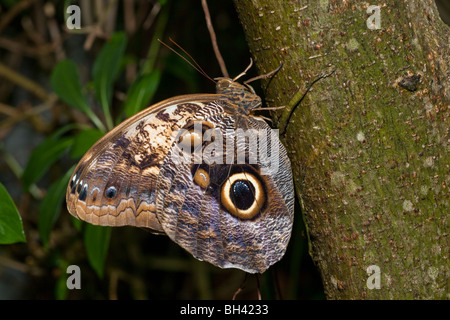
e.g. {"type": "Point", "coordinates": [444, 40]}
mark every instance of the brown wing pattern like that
{"type": "Point", "coordinates": [194, 216]}
{"type": "Point", "coordinates": [114, 183]}
{"type": "Point", "coordinates": [229, 214]}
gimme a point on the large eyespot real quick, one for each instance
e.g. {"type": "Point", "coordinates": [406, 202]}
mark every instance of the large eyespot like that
{"type": "Point", "coordinates": [201, 178]}
{"type": "Point", "coordinates": [243, 195]}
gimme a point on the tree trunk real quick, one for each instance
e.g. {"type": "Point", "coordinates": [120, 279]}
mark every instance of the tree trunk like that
{"type": "Point", "coordinates": [368, 142]}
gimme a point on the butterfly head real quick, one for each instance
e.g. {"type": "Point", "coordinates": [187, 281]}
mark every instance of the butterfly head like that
{"type": "Point", "coordinates": [242, 95]}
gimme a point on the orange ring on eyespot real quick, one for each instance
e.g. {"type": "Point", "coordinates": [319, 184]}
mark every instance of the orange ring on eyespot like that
{"type": "Point", "coordinates": [259, 196]}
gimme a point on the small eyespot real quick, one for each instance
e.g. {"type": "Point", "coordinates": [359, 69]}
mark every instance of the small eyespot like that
{"type": "Point", "coordinates": [83, 194]}
{"type": "Point", "coordinates": [201, 178]}
{"type": "Point", "coordinates": [243, 195]}
{"type": "Point", "coordinates": [111, 192]}
{"type": "Point", "coordinates": [80, 184]}
{"type": "Point", "coordinates": [75, 184]}
{"type": "Point", "coordinates": [72, 182]}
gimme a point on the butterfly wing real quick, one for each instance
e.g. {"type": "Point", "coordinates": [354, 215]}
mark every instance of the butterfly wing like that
{"type": "Point", "coordinates": [130, 177]}
{"type": "Point", "coordinates": [198, 214]}
{"type": "Point", "coordinates": [114, 184]}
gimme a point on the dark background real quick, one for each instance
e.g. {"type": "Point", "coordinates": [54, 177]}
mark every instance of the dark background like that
{"type": "Point", "coordinates": [139, 265]}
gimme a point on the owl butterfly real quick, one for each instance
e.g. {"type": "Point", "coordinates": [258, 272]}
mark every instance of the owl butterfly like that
{"type": "Point", "coordinates": [165, 169]}
{"type": "Point", "coordinates": [228, 213]}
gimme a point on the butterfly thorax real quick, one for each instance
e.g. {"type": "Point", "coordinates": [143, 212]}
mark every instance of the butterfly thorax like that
{"type": "Point", "coordinates": [241, 95]}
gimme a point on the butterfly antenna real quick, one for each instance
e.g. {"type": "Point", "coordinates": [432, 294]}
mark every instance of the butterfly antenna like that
{"type": "Point", "coordinates": [212, 34]}
{"type": "Point", "coordinates": [245, 71]}
{"type": "Point", "coordinates": [264, 76]}
{"type": "Point", "coordinates": [194, 65]}
{"type": "Point", "coordinates": [193, 60]}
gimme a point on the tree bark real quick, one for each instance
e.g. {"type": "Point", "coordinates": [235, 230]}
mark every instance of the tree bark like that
{"type": "Point", "coordinates": [369, 156]}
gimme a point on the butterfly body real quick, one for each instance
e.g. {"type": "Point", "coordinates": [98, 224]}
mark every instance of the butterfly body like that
{"type": "Point", "coordinates": [229, 212]}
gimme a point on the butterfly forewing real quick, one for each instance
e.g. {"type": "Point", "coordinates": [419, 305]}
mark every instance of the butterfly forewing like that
{"type": "Point", "coordinates": [114, 183]}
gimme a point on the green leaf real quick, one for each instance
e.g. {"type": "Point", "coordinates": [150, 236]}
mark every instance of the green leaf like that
{"type": "Point", "coordinates": [51, 206]}
{"type": "Point", "coordinates": [43, 156]}
{"type": "Point", "coordinates": [141, 92]}
{"type": "Point", "coordinates": [77, 223]}
{"type": "Point", "coordinates": [183, 71]}
{"type": "Point", "coordinates": [11, 229]}
{"type": "Point", "coordinates": [96, 239]}
{"type": "Point", "coordinates": [61, 289]}
{"type": "Point", "coordinates": [84, 140]}
{"type": "Point", "coordinates": [65, 81]}
{"type": "Point", "coordinates": [148, 64]}
{"type": "Point", "coordinates": [105, 70]}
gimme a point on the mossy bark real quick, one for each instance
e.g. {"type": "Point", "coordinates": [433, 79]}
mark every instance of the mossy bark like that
{"type": "Point", "coordinates": [370, 158]}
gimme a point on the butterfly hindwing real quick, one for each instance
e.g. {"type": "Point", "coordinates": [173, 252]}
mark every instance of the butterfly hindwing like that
{"type": "Point", "coordinates": [193, 211]}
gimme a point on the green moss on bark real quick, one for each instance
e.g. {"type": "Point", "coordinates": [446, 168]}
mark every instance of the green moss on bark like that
{"type": "Point", "coordinates": [370, 159]}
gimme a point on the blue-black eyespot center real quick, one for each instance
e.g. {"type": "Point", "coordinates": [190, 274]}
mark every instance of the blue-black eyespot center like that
{"type": "Point", "coordinates": [242, 193]}
{"type": "Point", "coordinates": [111, 192]}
